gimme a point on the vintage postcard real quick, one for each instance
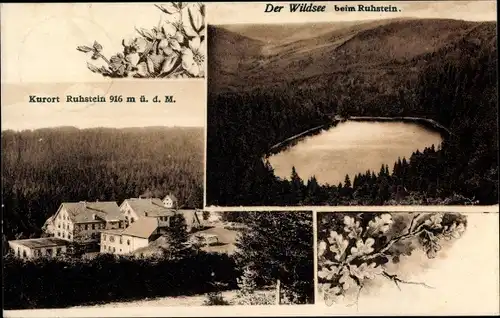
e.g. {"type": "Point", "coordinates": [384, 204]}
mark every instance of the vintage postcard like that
{"type": "Point", "coordinates": [254, 159]}
{"type": "Point", "coordinates": [352, 103]}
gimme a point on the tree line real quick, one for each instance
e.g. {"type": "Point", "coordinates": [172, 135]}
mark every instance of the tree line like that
{"type": "Point", "coordinates": [455, 86]}
{"type": "Point", "coordinates": [45, 167]}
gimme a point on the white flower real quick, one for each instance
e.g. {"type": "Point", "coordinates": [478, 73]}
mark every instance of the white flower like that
{"type": "Point", "coordinates": [172, 39]}
{"type": "Point", "coordinates": [193, 57]}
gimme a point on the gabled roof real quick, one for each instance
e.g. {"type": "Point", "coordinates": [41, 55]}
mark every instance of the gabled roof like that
{"type": "Point", "coordinates": [171, 196]}
{"type": "Point", "coordinates": [151, 207]}
{"type": "Point", "coordinates": [142, 228]}
{"type": "Point", "coordinates": [80, 212]}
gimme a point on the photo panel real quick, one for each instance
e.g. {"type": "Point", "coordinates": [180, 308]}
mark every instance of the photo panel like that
{"type": "Point", "coordinates": [200, 259]}
{"type": "Point", "coordinates": [407, 262]}
{"type": "Point", "coordinates": [328, 104]}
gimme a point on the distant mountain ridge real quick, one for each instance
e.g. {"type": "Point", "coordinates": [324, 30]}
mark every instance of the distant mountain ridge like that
{"type": "Point", "coordinates": [244, 57]}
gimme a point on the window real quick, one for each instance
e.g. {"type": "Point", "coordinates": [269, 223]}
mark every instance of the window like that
{"type": "Point", "coordinates": [111, 238]}
{"type": "Point", "coordinates": [58, 251]}
{"type": "Point", "coordinates": [120, 249]}
{"type": "Point", "coordinates": [64, 235]}
{"type": "Point", "coordinates": [131, 220]}
{"type": "Point", "coordinates": [59, 225]}
{"type": "Point", "coordinates": [38, 253]}
{"type": "Point", "coordinates": [69, 236]}
{"type": "Point", "coordinates": [24, 253]}
{"type": "Point", "coordinates": [104, 237]}
{"type": "Point", "coordinates": [128, 242]}
{"type": "Point", "coordinates": [114, 249]}
{"type": "Point", "coordinates": [58, 234]}
{"type": "Point", "coordinates": [93, 226]}
{"type": "Point", "coordinates": [48, 252]}
{"type": "Point", "coordinates": [18, 252]}
{"type": "Point", "coordinates": [67, 227]}
{"type": "Point", "coordinates": [121, 240]}
{"type": "Point", "coordinates": [86, 227]}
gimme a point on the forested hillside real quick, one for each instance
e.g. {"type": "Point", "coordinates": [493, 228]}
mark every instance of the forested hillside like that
{"type": "Point", "coordinates": [453, 81]}
{"type": "Point", "coordinates": [44, 167]}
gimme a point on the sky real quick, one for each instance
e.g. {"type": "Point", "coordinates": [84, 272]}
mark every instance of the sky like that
{"type": "Point", "coordinates": [39, 56]}
{"type": "Point", "coordinates": [236, 13]}
{"type": "Point", "coordinates": [188, 111]}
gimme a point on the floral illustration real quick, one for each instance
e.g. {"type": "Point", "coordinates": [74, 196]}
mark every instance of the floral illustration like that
{"type": "Point", "coordinates": [175, 48]}
{"type": "Point", "coordinates": [354, 248]}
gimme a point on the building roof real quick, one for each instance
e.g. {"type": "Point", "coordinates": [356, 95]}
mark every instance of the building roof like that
{"type": "Point", "coordinates": [191, 216]}
{"type": "Point", "coordinates": [113, 231]}
{"type": "Point", "coordinates": [149, 207]}
{"type": "Point", "coordinates": [41, 242]}
{"type": "Point", "coordinates": [142, 228]}
{"type": "Point", "coordinates": [171, 196]}
{"type": "Point", "coordinates": [81, 212]}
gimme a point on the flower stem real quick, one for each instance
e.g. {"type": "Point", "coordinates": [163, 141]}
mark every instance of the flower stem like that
{"type": "Point", "coordinates": [103, 57]}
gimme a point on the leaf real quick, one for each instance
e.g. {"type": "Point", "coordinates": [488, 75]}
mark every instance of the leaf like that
{"type": "Point", "coordinates": [346, 279]}
{"type": "Point", "coordinates": [146, 33]}
{"type": "Point", "coordinates": [93, 68]}
{"type": "Point", "coordinates": [169, 63]}
{"type": "Point", "coordinates": [168, 8]}
{"type": "Point", "coordinates": [150, 64]}
{"type": "Point", "coordinates": [366, 271]}
{"type": "Point", "coordinates": [380, 224]}
{"type": "Point", "coordinates": [434, 222]}
{"type": "Point", "coordinates": [321, 248]}
{"type": "Point", "coordinates": [352, 227]}
{"type": "Point", "coordinates": [195, 18]}
{"type": "Point", "coordinates": [84, 48]}
{"type": "Point", "coordinates": [327, 273]}
{"type": "Point", "coordinates": [338, 244]}
{"type": "Point", "coordinates": [363, 248]}
{"type": "Point", "coordinates": [97, 46]}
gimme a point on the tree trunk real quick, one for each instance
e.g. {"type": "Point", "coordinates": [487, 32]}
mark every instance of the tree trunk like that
{"type": "Point", "coordinates": [278, 292]}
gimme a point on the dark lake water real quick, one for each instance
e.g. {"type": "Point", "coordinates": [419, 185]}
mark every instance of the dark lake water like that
{"type": "Point", "coordinates": [352, 147]}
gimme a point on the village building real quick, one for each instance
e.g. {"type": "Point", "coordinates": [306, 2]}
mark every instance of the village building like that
{"type": "Point", "coordinates": [170, 201]}
{"type": "Point", "coordinates": [136, 236]}
{"type": "Point", "coordinates": [38, 247]}
{"type": "Point", "coordinates": [81, 222]}
{"type": "Point", "coordinates": [136, 208]}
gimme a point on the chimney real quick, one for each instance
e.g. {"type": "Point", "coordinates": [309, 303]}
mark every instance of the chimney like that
{"type": "Point", "coordinates": [94, 217]}
{"type": "Point", "coordinates": [146, 213]}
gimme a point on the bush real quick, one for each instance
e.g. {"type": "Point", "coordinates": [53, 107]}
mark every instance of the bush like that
{"type": "Point", "coordinates": [57, 283]}
{"type": "Point", "coordinates": [215, 299]}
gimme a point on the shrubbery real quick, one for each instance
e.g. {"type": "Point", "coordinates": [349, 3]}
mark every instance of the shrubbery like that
{"type": "Point", "coordinates": [58, 283]}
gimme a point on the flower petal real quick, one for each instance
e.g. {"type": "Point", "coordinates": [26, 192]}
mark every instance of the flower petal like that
{"type": "Point", "coordinates": [169, 29]}
{"type": "Point", "coordinates": [169, 63]}
{"type": "Point", "coordinates": [195, 43]}
{"type": "Point", "coordinates": [175, 45]}
{"type": "Point", "coordinates": [189, 64]}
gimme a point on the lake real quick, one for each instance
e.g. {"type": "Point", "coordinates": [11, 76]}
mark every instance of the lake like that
{"type": "Point", "coordinates": [353, 147]}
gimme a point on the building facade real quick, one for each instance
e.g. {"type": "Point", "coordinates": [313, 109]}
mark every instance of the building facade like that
{"type": "Point", "coordinates": [38, 247]}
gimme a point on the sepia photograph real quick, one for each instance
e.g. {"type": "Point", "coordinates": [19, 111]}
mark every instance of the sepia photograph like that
{"type": "Point", "coordinates": [353, 108]}
{"type": "Point", "coordinates": [103, 202]}
{"type": "Point", "coordinates": [388, 263]}
{"type": "Point", "coordinates": [147, 252]}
